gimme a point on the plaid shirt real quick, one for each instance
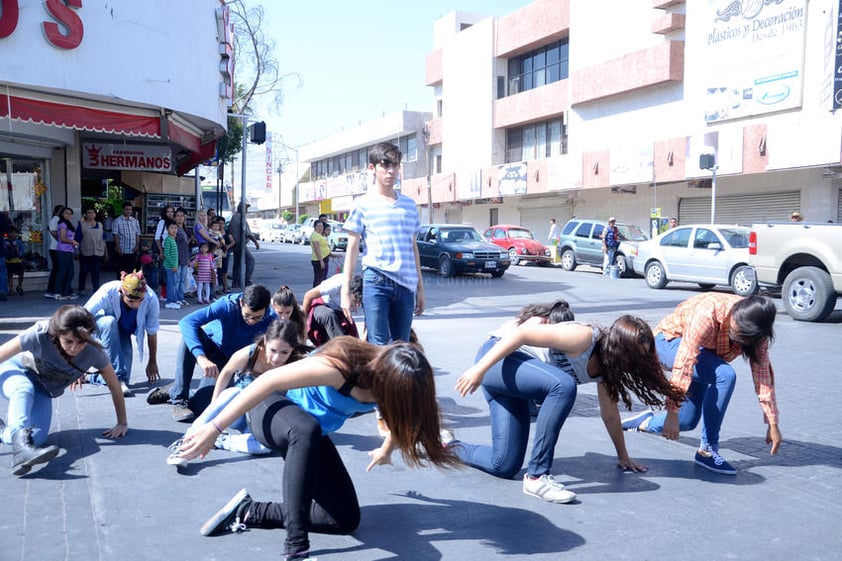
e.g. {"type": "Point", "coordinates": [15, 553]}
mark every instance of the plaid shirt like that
{"type": "Point", "coordinates": [129, 231]}
{"type": "Point", "coordinates": [704, 322]}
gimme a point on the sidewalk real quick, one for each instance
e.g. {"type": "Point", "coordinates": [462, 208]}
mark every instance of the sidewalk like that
{"type": "Point", "coordinates": [113, 501]}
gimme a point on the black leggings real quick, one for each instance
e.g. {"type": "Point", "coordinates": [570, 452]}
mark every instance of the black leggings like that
{"type": "Point", "coordinates": [318, 492]}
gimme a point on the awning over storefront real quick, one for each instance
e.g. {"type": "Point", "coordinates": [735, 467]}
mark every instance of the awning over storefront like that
{"type": "Point", "coordinates": [85, 115]}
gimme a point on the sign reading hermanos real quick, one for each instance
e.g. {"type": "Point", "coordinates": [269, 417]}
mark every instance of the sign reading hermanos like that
{"type": "Point", "coordinates": [136, 157]}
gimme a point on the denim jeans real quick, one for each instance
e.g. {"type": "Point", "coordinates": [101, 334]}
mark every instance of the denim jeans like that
{"type": "Point", "coordinates": [509, 386]}
{"type": "Point", "coordinates": [89, 265]}
{"type": "Point", "coordinates": [708, 396]}
{"type": "Point", "coordinates": [245, 442]}
{"type": "Point", "coordinates": [235, 255]}
{"type": "Point", "coordinates": [181, 281]}
{"type": "Point", "coordinates": [186, 363]}
{"type": "Point", "coordinates": [29, 405]}
{"type": "Point", "coordinates": [64, 275]}
{"type": "Point", "coordinates": [172, 287]}
{"type": "Point", "coordinates": [4, 281]}
{"type": "Point", "coordinates": [118, 345]}
{"type": "Point", "coordinates": [608, 260]}
{"type": "Point", "coordinates": [388, 308]}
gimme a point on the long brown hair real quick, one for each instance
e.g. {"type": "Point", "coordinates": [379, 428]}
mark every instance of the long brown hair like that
{"type": "Point", "coordinates": [75, 320]}
{"type": "Point", "coordinates": [284, 330]}
{"type": "Point", "coordinates": [285, 297]}
{"type": "Point", "coordinates": [630, 364]}
{"type": "Point", "coordinates": [401, 380]}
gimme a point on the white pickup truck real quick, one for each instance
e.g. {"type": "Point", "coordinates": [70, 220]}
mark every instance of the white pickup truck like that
{"type": "Point", "coordinates": [804, 260]}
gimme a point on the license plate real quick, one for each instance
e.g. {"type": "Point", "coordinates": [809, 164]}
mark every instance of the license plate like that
{"type": "Point", "coordinates": [491, 264]}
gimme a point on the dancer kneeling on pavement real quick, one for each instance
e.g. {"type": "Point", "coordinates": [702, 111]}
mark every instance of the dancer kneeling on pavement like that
{"type": "Point", "coordinates": [323, 307]}
{"type": "Point", "coordinates": [621, 359]}
{"type": "Point", "coordinates": [285, 305]}
{"type": "Point", "coordinates": [278, 346]}
{"type": "Point", "coordinates": [37, 366]}
{"type": "Point", "coordinates": [122, 308]}
{"type": "Point", "coordinates": [343, 377]}
{"type": "Point", "coordinates": [210, 336]}
{"type": "Point", "coordinates": [698, 340]}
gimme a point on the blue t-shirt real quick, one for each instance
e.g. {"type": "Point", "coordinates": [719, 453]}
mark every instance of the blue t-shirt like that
{"type": "Point", "coordinates": [128, 320]}
{"type": "Point", "coordinates": [329, 407]}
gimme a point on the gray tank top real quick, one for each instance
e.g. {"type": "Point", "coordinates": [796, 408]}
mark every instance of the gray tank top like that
{"type": "Point", "coordinates": [576, 366]}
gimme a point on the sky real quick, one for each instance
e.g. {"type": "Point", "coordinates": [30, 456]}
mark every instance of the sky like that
{"type": "Point", "coordinates": [357, 61]}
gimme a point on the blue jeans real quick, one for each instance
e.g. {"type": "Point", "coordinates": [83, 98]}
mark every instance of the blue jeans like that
{"type": "Point", "coordinates": [509, 386]}
{"type": "Point", "coordinates": [244, 442]}
{"type": "Point", "coordinates": [29, 405]}
{"type": "Point", "coordinates": [182, 280]}
{"type": "Point", "coordinates": [64, 276]}
{"type": "Point", "coordinates": [4, 281]}
{"type": "Point", "coordinates": [186, 363]}
{"type": "Point", "coordinates": [118, 345]}
{"type": "Point", "coordinates": [172, 287]}
{"type": "Point", "coordinates": [388, 308]}
{"type": "Point", "coordinates": [708, 396]}
{"type": "Point", "coordinates": [608, 260]}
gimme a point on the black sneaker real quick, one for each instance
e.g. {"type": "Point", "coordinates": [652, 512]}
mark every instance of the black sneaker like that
{"type": "Point", "coordinates": [158, 396]}
{"type": "Point", "coordinates": [230, 518]}
{"type": "Point", "coordinates": [712, 461]}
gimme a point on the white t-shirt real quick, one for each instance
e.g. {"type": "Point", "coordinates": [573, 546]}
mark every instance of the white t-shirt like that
{"type": "Point", "coordinates": [53, 226]}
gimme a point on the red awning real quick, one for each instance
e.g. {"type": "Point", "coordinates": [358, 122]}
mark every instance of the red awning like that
{"type": "Point", "coordinates": [79, 117]}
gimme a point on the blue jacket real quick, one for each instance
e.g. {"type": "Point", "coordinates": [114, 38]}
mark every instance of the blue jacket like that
{"type": "Point", "coordinates": [223, 322]}
{"type": "Point", "coordinates": [106, 302]}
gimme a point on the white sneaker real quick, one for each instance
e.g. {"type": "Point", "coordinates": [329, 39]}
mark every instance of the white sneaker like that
{"type": "Point", "coordinates": [126, 391]}
{"type": "Point", "coordinates": [175, 459]}
{"type": "Point", "coordinates": [547, 488]}
{"type": "Point", "coordinates": [172, 306]}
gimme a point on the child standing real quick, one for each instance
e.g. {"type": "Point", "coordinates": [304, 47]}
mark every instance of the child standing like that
{"type": "Point", "coordinates": [205, 265]}
{"type": "Point", "coordinates": [14, 263]}
{"type": "Point", "coordinates": [171, 267]}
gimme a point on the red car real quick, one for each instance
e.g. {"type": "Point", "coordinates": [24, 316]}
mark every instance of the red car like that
{"type": "Point", "coordinates": [519, 242]}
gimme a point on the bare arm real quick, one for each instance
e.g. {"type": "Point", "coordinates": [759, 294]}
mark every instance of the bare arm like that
{"type": "Point", "coordinates": [311, 371]}
{"type": "Point", "coordinates": [152, 373]}
{"type": "Point", "coordinates": [419, 294]}
{"type": "Point", "coordinates": [352, 253]}
{"type": "Point", "coordinates": [238, 361]}
{"type": "Point", "coordinates": [611, 419]}
{"type": "Point", "coordinates": [10, 349]}
{"type": "Point", "coordinates": [122, 426]}
{"type": "Point", "coordinates": [309, 296]}
{"type": "Point", "coordinates": [571, 338]}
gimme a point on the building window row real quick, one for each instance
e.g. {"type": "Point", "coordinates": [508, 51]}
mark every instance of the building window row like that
{"type": "Point", "coordinates": [536, 140]}
{"type": "Point", "coordinates": [542, 66]}
{"type": "Point", "coordinates": [357, 160]}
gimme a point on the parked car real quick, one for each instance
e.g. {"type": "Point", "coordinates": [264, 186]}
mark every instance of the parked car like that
{"type": "Point", "coordinates": [519, 242]}
{"type": "Point", "coordinates": [707, 254]}
{"type": "Point", "coordinates": [293, 234]}
{"type": "Point", "coordinates": [338, 238]}
{"type": "Point", "coordinates": [581, 242]}
{"type": "Point", "coordinates": [458, 248]}
{"type": "Point", "coordinates": [307, 228]}
{"type": "Point", "coordinates": [272, 232]}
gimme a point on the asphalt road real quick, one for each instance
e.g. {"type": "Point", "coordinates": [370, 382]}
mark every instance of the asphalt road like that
{"type": "Point", "coordinates": [110, 501]}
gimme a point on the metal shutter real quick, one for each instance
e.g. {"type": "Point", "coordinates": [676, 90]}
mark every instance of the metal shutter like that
{"type": "Point", "coordinates": [537, 219]}
{"type": "Point", "coordinates": [740, 209]}
{"type": "Point", "coordinates": [839, 208]}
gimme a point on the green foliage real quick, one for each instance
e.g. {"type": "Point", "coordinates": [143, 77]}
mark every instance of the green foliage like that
{"type": "Point", "coordinates": [231, 144]}
{"type": "Point", "coordinates": [287, 216]}
{"type": "Point", "coordinates": [302, 218]}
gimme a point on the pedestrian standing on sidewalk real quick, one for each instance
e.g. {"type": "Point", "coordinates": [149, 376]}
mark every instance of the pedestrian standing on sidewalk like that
{"type": "Point", "coordinates": [386, 222]}
{"type": "Point", "coordinates": [621, 360]}
{"type": "Point", "coordinates": [610, 243]}
{"type": "Point", "coordinates": [698, 341]}
{"type": "Point", "coordinates": [65, 251]}
{"type": "Point", "coordinates": [210, 335]}
{"type": "Point", "coordinates": [37, 366]}
{"type": "Point", "coordinates": [182, 242]}
{"type": "Point", "coordinates": [554, 235]}
{"type": "Point", "coordinates": [52, 290]}
{"type": "Point", "coordinates": [205, 265]}
{"type": "Point", "coordinates": [92, 250]}
{"type": "Point", "coordinates": [126, 230]}
{"type": "Point", "coordinates": [124, 308]}
{"type": "Point", "coordinates": [319, 250]}
{"type": "Point", "coordinates": [346, 376]}
{"type": "Point", "coordinates": [170, 254]}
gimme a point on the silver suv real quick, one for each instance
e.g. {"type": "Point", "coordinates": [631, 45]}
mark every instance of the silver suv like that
{"type": "Point", "coordinates": [581, 243]}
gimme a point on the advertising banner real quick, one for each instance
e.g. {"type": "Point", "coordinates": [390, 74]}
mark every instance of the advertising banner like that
{"type": "Point", "coordinates": [754, 53]}
{"type": "Point", "coordinates": [130, 157]}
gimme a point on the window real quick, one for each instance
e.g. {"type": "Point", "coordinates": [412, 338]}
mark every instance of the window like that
{"type": "Point", "coordinates": [535, 141]}
{"type": "Point", "coordinates": [583, 231]}
{"type": "Point", "coordinates": [676, 238]}
{"type": "Point", "coordinates": [438, 163]}
{"type": "Point", "coordinates": [539, 67]}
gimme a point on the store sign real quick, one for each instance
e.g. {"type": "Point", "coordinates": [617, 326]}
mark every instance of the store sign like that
{"type": "Point", "coordinates": [139, 157]}
{"type": "Point", "coordinates": [837, 79]}
{"type": "Point", "coordinates": [65, 32]}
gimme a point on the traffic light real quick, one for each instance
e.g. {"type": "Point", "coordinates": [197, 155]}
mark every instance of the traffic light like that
{"type": "Point", "coordinates": [257, 133]}
{"type": "Point", "coordinates": [707, 161]}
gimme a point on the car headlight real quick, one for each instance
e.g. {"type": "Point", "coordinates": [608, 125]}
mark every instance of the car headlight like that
{"type": "Point", "coordinates": [461, 255]}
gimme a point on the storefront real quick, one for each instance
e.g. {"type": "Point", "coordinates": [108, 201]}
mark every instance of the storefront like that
{"type": "Point", "coordinates": [93, 108]}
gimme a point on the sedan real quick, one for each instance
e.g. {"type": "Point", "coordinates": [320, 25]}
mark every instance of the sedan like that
{"type": "Point", "coordinates": [293, 234]}
{"type": "Point", "coordinates": [519, 242]}
{"type": "Point", "coordinates": [457, 248]}
{"type": "Point", "coordinates": [707, 254]}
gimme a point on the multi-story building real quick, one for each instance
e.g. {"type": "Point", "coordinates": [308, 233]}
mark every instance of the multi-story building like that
{"type": "Point", "coordinates": [576, 107]}
{"type": "Point", "coordinates": [123, 93]}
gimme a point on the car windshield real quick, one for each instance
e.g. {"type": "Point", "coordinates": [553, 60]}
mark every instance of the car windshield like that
{"type": "Point", "coordinates": [460, 235]}
{"type": "Point", "coordinates": [631, 233]}
{"type": "Point", "coordinates": [521, 234]}
{"type": "Point", "coordinates": [736, 237]}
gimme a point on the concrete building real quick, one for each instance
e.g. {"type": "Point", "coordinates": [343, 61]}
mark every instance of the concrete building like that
{"type": "Point", "coordinates": [123, 93]}
{"type": "Point", "coordinates": [575, 107]}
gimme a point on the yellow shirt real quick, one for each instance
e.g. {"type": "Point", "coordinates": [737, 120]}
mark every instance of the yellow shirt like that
{"type": "Point", "coordinates": [319, 247]}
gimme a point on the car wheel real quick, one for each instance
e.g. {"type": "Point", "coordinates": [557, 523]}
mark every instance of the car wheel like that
{"type": "Point", "coordinates": [497, 274]}
{"type": "Point", "coordinates": [446, 266]}
{"type": "Point", "coordinates": [744, 281]}
{"type": "Point", "coordinates": [513, 256]}
{"type": "Point", "coordinates": [568, 260]}
{"type": "Point", "coordinates": [808, 294]}
{"type": "Point", "coordinates": [656, 276]}
{"type": "Point", "coordinates": [620, 262]}
{"type": "Point", "coordinates": [705, 285]}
